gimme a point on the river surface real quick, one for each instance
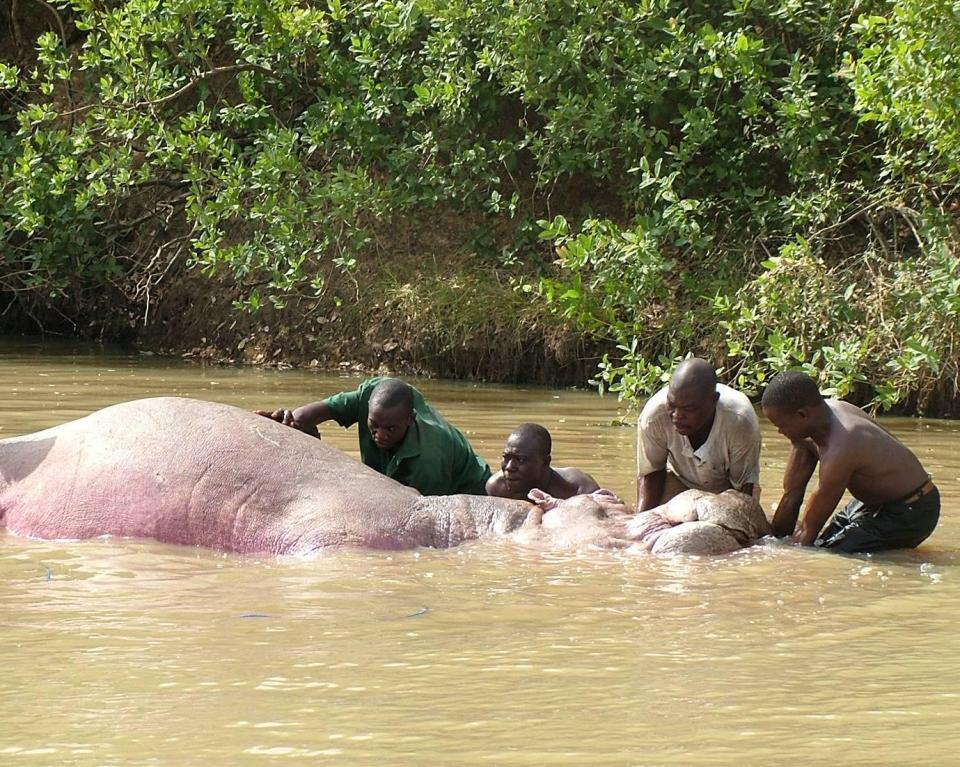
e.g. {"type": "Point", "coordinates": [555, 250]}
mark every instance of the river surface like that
{"type": "Point", "coordinates": [129, 653]}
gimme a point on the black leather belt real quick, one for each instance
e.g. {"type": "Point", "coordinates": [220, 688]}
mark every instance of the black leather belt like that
{"type": "Point", "coordinates": [921, 491]}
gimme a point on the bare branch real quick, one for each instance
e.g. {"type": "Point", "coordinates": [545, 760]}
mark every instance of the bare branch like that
{"type": "Point", "coordinates": [56, 15]}
{"type": "Point", "coordinates": [17, 34]}
{"type": "Point", "coordinates": [233, 68]}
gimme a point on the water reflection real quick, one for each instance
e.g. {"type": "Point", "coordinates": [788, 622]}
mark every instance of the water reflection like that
{"type": "Point", "coordinates": [135, 653]}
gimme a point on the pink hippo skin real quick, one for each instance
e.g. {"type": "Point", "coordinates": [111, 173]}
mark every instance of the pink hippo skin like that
{"type": "Point", "coordinates": [200, 473]}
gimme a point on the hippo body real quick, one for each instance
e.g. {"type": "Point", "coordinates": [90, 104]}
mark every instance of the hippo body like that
{"type": "Point", "coordinates": [201, 473]}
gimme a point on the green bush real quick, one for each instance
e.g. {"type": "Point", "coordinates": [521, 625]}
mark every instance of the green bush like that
{"type": "Point", "coordinates": [765, 182]}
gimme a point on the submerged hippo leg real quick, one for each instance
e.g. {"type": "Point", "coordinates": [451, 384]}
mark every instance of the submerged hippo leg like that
{"type": "Point", "coordinates": [647, 526]}
{"type": "Point", "coordinates": [695, 538]}
{"type": "Point", "coordinates": [739, 514]}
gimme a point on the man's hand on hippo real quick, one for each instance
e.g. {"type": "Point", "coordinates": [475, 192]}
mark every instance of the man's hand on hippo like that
{"type": "Point", "coordinates": [284, 416]}
{"type": "Point", "coordinates": [280, 415]}
{"type": "Point", "coordinates": [606, 498]}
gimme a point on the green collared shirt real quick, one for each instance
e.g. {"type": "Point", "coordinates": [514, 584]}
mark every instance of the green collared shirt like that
{"type": "Point", "coordinates": [434, 457]}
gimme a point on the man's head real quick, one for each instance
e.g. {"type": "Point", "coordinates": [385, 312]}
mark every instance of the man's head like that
{"type": "Point", "coordinates": [692, 396]}
{"type": "Point", "coordinates": [526, 458]}
{"type": "Point", "coordinates": [390, 414]}
{"type": "Point", "coordinates": [790, 401]}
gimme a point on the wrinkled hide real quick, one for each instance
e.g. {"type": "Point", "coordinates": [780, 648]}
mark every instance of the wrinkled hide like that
{"type": "Point", "coordinates": [200, 473]}
{"type": "Point", "coordinates": [698, 522]}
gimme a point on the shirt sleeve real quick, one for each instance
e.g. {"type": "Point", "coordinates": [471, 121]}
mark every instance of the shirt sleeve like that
{"type": "Point", "coordinates": [651, 442]}
{"type": "Point", "coordinates": [345, 406]}
{"type": "Point", "coordinates": [465, 471]}
{"type": "Point", "coordinates": [745, 453]}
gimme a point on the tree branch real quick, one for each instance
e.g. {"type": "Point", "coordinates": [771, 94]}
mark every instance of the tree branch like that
{"type": "Point", "coordinates": [233, 68]}
{"type": "Point", "coordinates": [56, 15]}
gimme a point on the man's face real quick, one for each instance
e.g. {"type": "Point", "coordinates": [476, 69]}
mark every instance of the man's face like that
{"type": "Point", "coordinates": [388, 425]}
{"type": "Point", "coordinates": [691, 409]}
{"type": "Point", "coordinates": [523, 465]}
{"type": "Point", "coordinates": [793, 426]}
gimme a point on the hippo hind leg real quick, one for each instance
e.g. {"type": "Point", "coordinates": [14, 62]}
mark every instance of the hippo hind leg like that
{"type": "Point", "coordinates": [695, 538]}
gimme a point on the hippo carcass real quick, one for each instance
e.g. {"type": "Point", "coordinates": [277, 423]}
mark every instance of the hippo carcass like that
{"type": "Point", "coordinates": [201, 473]}
{"type": "Point", "coordinates": [698, 522]}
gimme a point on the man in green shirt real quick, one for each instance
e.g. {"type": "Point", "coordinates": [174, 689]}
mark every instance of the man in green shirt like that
{"type": "Point", "coordinates": [400, 436]}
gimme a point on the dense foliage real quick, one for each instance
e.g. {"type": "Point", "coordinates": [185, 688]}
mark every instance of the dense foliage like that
{"type": "Point", "coordinates": [766, 182]}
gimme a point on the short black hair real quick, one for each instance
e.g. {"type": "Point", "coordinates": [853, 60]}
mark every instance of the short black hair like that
{"type": "Point", "coordinates": [696, 375]}
{"type": "Point", "coordinates": [393, 393]}
{"type": "Point", "coordinates": [535, 433]}
{"type": "Point", "coordinates": [791, 390]}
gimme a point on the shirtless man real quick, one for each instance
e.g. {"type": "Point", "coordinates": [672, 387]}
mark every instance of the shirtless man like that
{"type": "Point", "coordinates": [525, 466]}
{"type": "Point", "coordinates": [895, 505]}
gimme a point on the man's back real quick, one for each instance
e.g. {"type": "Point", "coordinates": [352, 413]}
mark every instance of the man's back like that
{"type": "Point", "coordinates": [883, 469]}
{"type": "Point", "coordinates": [573, 481]}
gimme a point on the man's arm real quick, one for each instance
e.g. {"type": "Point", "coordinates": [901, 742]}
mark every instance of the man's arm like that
{"type": "Point", "coordinates": [800, 465]}
{"type": "Point", "coordinates": [312, 414]}
{"type": "Point", "coordinates": [304, 418]}
{"type": "Point", "coordinates": [496, 486]}
{"type": "Point", "coordinates": [653, 430]}
{"type": "Point", "coordinates": [344, 408]}
{"type": "Point", "coordinates": [582, 482]}
{"type": "Point", "coordinates": [650, 489]}
{"type": "Point", "coordinates": [834, 477]}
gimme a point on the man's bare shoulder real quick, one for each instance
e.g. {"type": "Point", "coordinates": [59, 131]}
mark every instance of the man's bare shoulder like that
{"type": "Point", "coordinates": [857, 426]}
{"type": "Point", "coordinates": [881, 468]}
{"type": "Point", "coordinates": [847, 412]}
{"type": "Point", "coordinates": [858, 442]}
{"type": "Point", "coordinates": [575, 480]}
{"type": "Point", "coordinates": [849, 428]}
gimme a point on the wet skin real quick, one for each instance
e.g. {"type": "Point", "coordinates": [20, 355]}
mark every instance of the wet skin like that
{"type": "Point", "coordinates": [524, 467]}
{"type": "Point", "coordinates": [201, 473]}
{"type": "Point", "coordinates": [854, 453]}
{"type": "Point", "coordinates": [389, 426]}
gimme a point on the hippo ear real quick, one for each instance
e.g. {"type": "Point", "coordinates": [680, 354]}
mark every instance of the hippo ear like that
{"type": "Point", "coordinates": [603, 495]}
{"type": "Point", "coordinates": [544, 500]}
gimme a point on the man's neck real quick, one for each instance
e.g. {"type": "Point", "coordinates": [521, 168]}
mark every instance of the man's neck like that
{"type": "Point", "coordinates": [822, 422]}
{"type": "Point", "coordinates": [698, 438]}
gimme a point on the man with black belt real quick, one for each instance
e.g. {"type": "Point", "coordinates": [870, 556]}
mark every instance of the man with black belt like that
{"type": "Point", "coordinates": [896, 505]}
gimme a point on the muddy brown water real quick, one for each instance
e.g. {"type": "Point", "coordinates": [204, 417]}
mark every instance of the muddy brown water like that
{"type": "Point", "coordinates": [120, 652]}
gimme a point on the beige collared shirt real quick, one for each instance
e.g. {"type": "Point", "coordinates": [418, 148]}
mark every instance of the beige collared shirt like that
{"type": "Point", "coordinates": [729, 458]}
